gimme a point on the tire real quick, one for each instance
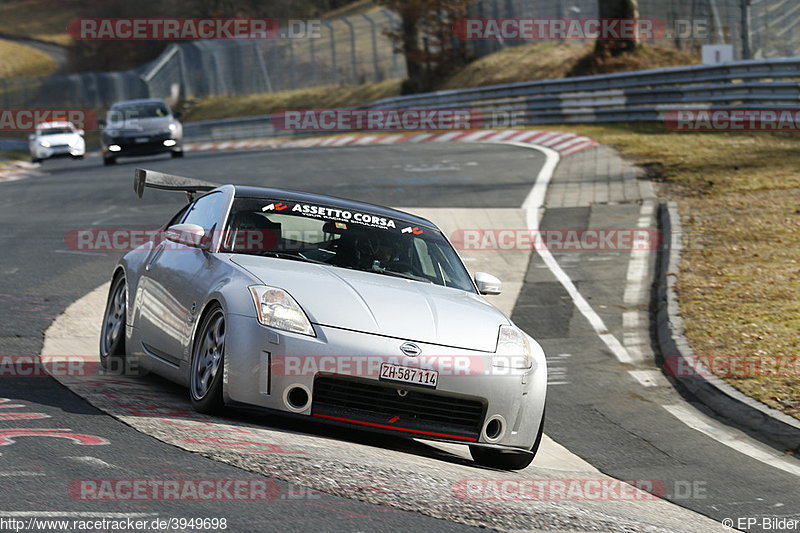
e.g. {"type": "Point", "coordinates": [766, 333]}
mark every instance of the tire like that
{"type": "Point", "coordinates": [107, 161]}
{"type": "Point", "coordinates": [493, 458]}
{"type": "Point", "coordinates": [35, 160]}
{"type": "Point", "coordinates": [208, 359]}
{"type": "Point", "coordinates": [176, 154]}
{"type": "Point", "coordinates": [112, 332]}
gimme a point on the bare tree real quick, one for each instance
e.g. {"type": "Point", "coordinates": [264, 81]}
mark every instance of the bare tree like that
{"type": "Point", "coordinates": [616, 9]}
{"type": "Point", "coordinates": [426, 39]}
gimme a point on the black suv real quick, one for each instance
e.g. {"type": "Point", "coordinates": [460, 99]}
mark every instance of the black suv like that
{"type": "Point", "coordinates": [140, 127]}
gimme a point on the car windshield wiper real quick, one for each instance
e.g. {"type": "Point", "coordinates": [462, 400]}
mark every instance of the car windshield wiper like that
{"type": "Point", "coordinates": [398, 274]}
{"type": "Point", "coordinates": [296, 257]}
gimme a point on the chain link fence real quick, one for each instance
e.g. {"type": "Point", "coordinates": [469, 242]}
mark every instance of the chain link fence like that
{"type": "Point", "coordinates": [757, 29]}
{"type": "Point", "coordinates": [356, 49]}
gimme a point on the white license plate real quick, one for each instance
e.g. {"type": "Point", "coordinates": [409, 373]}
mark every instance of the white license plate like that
{"type": "Point", "coordinates": [141, 139]}
{"type": "Point", "coordinates": [406, 374]}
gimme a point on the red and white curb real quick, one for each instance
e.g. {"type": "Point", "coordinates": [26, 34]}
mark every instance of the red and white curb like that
{"type": "Point", "coordinates": [19, 170]}
{"type": "Point", "coordinates": [566, 144]}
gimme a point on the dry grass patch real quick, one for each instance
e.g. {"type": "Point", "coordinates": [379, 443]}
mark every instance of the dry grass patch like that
{"type": "Point", "coordinates": [19, 60]}
{"type": "Point", "coordinates": [265, 103]}
{"type": "Point", "coordinates": [739, 197]}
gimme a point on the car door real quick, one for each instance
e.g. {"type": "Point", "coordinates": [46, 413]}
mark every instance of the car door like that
{"type": "Point", "coordinates": [175, 281]}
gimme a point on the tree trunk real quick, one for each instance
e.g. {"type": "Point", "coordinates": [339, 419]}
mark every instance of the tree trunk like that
{"type": "Point", "coordinates": [418, 77]}
{"type": "Point", "coordinates": [616, 9]}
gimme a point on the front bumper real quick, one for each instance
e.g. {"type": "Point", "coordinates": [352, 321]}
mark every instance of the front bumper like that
{"type": "Point", "coordinates": [337, 373]}
{"type": "Point", "coordinates": [65, 150]}
{"type": "Point", "coordinates": [145, 144]}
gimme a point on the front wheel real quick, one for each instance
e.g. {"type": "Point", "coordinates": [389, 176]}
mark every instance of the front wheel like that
{"type": "Point", "coordinates": [177, 153]}
{"type": "Point", "coordinates": [112, 332]}
{"type": "Point", "coordinates": [109, 161]}
{"type": "Point", "coordinates": [502, 460]}
{"type": "Point", "coordinates": [207, 361]}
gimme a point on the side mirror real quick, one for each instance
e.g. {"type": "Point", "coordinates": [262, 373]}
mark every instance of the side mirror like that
{"type": "Point", "coordinates": [189, 235]}
{"type": "Point", "coordinates": [488, 284]}
{"type": "Point", "coordinates": [80, 132]}
{"type": "Point", "coordinates": [176, 114]}
{"type": "Point", "coordinates": [102, 123]}
{"type": "Point", "coordinates": [32, 136]}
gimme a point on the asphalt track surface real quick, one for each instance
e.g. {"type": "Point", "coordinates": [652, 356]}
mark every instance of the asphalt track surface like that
{"type": "Point", "coordinates": [596, 410]}
{"type": "Point", "coordinates": [40, 276]}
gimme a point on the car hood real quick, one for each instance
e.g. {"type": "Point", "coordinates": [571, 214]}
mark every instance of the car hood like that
{"type": "Point", "coordinates": [382, 305]}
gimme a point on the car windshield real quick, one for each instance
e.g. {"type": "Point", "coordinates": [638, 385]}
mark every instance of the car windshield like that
{"type": "Point", "coordinates": [344, 238]}
{"type": "Point", "coordinates": [140, 110]}
{"type": "Point", "coordinates": [54, 131]}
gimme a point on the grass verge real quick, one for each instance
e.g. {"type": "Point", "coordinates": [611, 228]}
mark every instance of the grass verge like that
{"type": "Point", "coordinates": [739, 199]}
{"type": "Point", "coordinates": [262, 104]}
{"type": "Point", "coordinates": [20, 60]}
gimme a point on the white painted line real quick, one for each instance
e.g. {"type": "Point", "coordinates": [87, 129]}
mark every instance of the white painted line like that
{"type": "Point", "coordinates": [732, 438]}
{"type": "Point", "coordinates": [649, 378]}
{"type": "Point", "coordinates": [532, 204]}
{"type": "Point", "coordinates": [20, 473]}
{"type": "Point", "coordinates": [93, 461]}
{"type": "Point", "coordinates": [635, 285]}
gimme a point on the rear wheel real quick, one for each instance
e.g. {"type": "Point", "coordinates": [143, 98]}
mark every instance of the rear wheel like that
{"type": "Point", "coordinates": [507, 460]}
{"type": "Point", "coordinates": [112, 333]}
{"type": "Point", "coordinates": [207, 362]}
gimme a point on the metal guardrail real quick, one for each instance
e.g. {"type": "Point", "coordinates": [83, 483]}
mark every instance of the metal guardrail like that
{"type": "Point", "coordinates": [622, 97]}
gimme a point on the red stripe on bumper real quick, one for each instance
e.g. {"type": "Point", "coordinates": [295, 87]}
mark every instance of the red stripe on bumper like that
{"type": "Point", "coordinates": [383, 426]}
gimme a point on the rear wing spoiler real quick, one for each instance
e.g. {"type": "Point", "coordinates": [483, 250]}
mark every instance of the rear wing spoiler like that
{"type": "Point", "coordinates": [168, 182]}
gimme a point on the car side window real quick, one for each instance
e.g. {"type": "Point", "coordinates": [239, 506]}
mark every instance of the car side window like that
{"type": "Point", "coordinates": [206, 212]}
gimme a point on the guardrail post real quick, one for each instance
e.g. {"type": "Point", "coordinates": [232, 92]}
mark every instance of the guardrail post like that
{"type": "Point", "coordinates": [374, 33]}
{"type": "Point", "coordinates": [745, 30]}
{"type": "Point", "coordinates": [334, 76]}
{"type": "Point", "coordinates": [354, 70]}
{"type": "Point", "coordinates": [263, 66]}
{"type": "Point", "coordinates": [393, 21]}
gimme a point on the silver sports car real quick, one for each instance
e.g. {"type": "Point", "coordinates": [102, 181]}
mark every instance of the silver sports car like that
{"type": "Point", "coordinates": [336, 310]}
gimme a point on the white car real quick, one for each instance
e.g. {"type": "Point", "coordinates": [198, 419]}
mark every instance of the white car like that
{"type": "Point", "coordinates": [56, 139]}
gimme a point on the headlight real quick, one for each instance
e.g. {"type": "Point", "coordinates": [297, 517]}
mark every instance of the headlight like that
{"type": "Point", "coordinates": [513, 349]}
{"type": "Point", "coordinates": [277, 309]}
{"type": "Point", "coordinates": [46, 144]}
